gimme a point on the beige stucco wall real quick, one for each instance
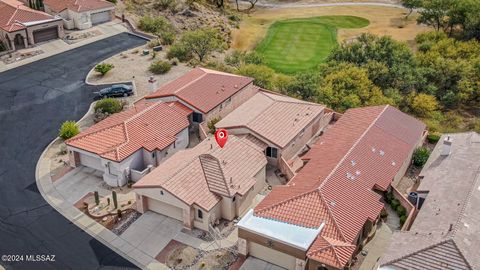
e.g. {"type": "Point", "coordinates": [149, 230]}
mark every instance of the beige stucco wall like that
{"type": "Point", "coordinates": [243, 203]}
{"type": "Point", "coordinates": [78, 20]}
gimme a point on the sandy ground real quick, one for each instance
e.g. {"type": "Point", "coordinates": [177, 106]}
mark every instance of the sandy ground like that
{"type": "Point", "coordinates": [383, 21]}
{"type": "Point", "coordinates": [132, 65]}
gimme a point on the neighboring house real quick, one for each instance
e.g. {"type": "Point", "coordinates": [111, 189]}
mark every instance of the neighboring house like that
{"type": "Point", "coordinates": [208, 93]}
{"type": "Point", "coordinates": [446, 231]}
{"type": "Point", "coordinates": [127, 144]}
{"type": "Point", "coordinates": [285, 124]}
{"type": "Point", "coordinates": [22, 27]}
{"type": "Point", "coordinates": [204, 184]}
{"type": "Point", "coordinates": [332, 206]}
{"type": "Point", "coordinates": [81, 14]}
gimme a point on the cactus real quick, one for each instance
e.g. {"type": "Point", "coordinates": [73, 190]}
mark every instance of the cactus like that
{"type": "Point", "coordinates": [115, 202]}
{"type": "Point", "coordinates": [97, 198]}
{"type": "Point", "coordinates": [108, 201]}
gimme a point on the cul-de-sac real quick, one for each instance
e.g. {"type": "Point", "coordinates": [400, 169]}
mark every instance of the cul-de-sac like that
{"type": "Point", "coordinates": [240, 134]}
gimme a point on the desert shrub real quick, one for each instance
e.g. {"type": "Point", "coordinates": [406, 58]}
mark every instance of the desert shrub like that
{"type": "Point", "coordinates": [389, 198]}
{"type": "Point", "coordinates": [154, 43]}
{"type": "Point", "coordinates": [233, 18]}
{"type": "Point", "coordinates": [167, 37]}
{"type": "Point", "coordinates": [174, 61]}
{"type": "Point", "coordinates": [433, 137]}
{"type": "Point", "coordinates": [68, 130]}
{"type": "Point", "coordinates": [211, 124]}
{"type": "Point", "coordinates": [402, 220]}
{"type": "Point", "coordinates": [108, 106]}
{"type": "Point", "coordinates": [160, 67]}
{"type": "Point", "coordinates": [103, 68]}
{"type": "Point", "coordinates": [420, 156]}
{"type": "Point", "coordinates": [154, 24]}
{"type": "Point", "coordinates": [164, 4]}
{"type": "Point", "coordinates": [179, 51]}
{"type": "Point", "coordinates": [401, 211]}
{"type": "Point", "coordinates": [383, 213]}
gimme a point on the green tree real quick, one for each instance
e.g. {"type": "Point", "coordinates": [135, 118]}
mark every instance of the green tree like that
{"type": "Point", "coordinates": [423, 104]}
{"type": "Point", "coordinates": [263, 76]}
{"type": "Point", "coordinates": [202, 42]}
{"type": "Point", "coordinates": [108, 106]}
{"type": "Point", "coordinates": [304, 86]}
{"type": "Point", "coordinates": [434, 13]}
{"type": "Point", "coordinates": [349, 87]}
{"type": "Point", "coordinates": [420, 156]}
{"type": "Point", "coordinates": [411, 5]}
{"type": "Point", "coordinates": [68, 130]}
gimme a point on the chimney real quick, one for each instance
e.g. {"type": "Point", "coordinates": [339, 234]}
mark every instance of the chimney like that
{"type": "Point", "coordinates": [447, 146]}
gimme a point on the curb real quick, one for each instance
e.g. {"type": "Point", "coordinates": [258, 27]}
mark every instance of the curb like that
{"type": "Point", "coordinates": [81, 220]}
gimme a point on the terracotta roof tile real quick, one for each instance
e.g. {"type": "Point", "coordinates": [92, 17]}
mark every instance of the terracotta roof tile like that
{"type": "Point", "coordinates": [77, 5]}
{"type": "Point", "coordinates": [364, 150]}
{"type": "Point", "coordinates": [230, 170]}
{"type": "Point", "coordinates": [202, 88]}
{"type": "Point", "coordinates": [14, 14]}
{"type": "Point", "coordinates": [274, 117]}
{"type": "Point", "coordinates": [147, 125]}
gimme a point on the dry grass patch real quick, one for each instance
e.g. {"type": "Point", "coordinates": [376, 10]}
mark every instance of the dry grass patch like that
{"type": "Point", "coordinates": [383, 21]}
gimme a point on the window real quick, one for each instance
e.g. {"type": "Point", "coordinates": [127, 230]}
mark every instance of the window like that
{"type": "Point", "coordinates": [161, 192]}
{"type": "Point", "coordinates": [271, 152]}
{"type": "Point", "coordinates": [233, 199]}
{"type": "Point", "coordinates": [199, 214]}
{"type": "Point", "coordinates": [153, 154]}
{"type": "Point", "coordinates": [197, 117]}
{"type": "Point", "coordinates": [174, 144]}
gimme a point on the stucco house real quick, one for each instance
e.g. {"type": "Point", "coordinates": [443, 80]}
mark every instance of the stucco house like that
{"type": "Point", "coordinates": [127, 145]}
{"type": "Point", "coordinates": [331, 207]}
{"type": "Point", "coordinates": [445, 233]}
{"type": "Point", "coordinates": [285, 124]}
{"type": "Point", "coordinates": [22, 27]}
{"type": "Point", "coordinates": [204, 184]}
{"type": "Point", "coordinates": [81, 14]}
{"type": "Point", "coordinates": [208, 93]}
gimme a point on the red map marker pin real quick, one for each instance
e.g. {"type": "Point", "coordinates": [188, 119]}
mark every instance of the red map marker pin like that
{"type": "Point", "coordinates": [221, 136]}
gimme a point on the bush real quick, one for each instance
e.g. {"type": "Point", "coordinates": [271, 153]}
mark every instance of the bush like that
{"type": "Point", "coordinates": [383, 213]}
{"type": "Point", "coordinates": [103, 68]}
{"type": "Point", "coordinates": [164, 4]}
{"type": "Point", "coordinates": [394, 204]}
{"type": "Point", "coordinates": [167, 37]}
{"type": "Point", "coordinates": [182, 53]}
{"type": "Point", "coordinates": [160, 67]}
{"type": "Point", "coordinates": [109, 106]}
{"type": "Point", "coordinates": [211, 124]}
{"type": "Point", "coordinates": [433, 137]}
{"type": "Point", "coordinates": [420, 156]}
{"type": "Point", "coordinates": [263, 76]}
{"type": "Point", "coordinates": [154, 43]}
{"type": "Point", "coordinates": [68, 130]}
{"type": "Point", "coordinates": [402, 220]}
{"type": "Point", "coordinates": [389, 198]}
{"type": "Point", "coordinates": [401, 211]}
{"type": "Point", "coordinates": [154, 25]}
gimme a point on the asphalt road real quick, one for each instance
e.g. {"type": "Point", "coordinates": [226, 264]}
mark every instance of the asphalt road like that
{"type": "Point", "coordinates": [34, 100]}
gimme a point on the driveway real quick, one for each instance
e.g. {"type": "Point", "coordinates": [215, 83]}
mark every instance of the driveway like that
{"type": "Point", "coordinates": [252, 263]}
{"type": "Point", "coordinates": [34, 100]}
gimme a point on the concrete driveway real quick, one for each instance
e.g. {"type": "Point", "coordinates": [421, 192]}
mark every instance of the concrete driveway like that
{"type": "Point", "coordinates": [252, 263]}
{"type": "Point", "coordinates": [34, 100]}
{"type": "Point", "coordinates": [152, 232]}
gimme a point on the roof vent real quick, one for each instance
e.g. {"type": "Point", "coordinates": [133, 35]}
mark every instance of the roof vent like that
{"type": "Point", "coordinates": [333, 203]}
{"type": "Point", "coordinates": [447, 146]}
{"type": "Point", "coordinates": [353, 162]}
{"type": "Point", "coordinates": [224, 162]}
{"type": "Point", "coordinates": [236, 86]}
{"type": "Point", "coordinates": [350, 176]}
{"type": "Point", "coordinates": [357, 172]}
{"type": "Point", "coordinates": [393, 163]}
{"type": "Point", "coordinates": [373, 149]}
{"type": "Point", "coordinates": [382, 153]}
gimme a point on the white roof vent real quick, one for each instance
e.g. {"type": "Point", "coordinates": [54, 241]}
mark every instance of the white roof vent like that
{"type": "Point", "coordinates": [357, 172]}
{"type": "Point", "coordinates": [373, 149]}
{"type": "Point", "coordinates": [393, 163]}
{"type": "Point", "coordinates": [333, 203]}
{"type": "Point", "coordinates": [382, 153]}
{"type": "Point", "coordinates": [354, 162]}
{"type": "Point", "coordinates": [350, 176]}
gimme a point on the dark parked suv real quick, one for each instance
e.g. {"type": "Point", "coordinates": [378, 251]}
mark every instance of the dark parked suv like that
{"type": "Point", "coordinates": [116, 90]}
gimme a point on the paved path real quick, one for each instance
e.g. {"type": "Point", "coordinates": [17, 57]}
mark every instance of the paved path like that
{"type": "Point", "coordinates": [34, 100]}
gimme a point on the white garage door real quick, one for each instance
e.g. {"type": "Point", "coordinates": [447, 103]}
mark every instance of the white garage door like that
{"type": "Point", "coordinates": [271, 255]}
{"type": "Point", "coordinates": [91, 162]}
{"type": "Point", "coordinates": [164, 209]}
{"type": "Point", "coordinates": [100, 17]}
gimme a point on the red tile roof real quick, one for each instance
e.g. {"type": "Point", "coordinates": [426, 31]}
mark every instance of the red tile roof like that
{"type": "Point", "coordinates": [201, 174]}
{"type": "Point", "coordinates": [364, 150]}
{"type": "Point", "coordinates": [13, 15]}
{"type": "Point", "coordinates": [147, 125]}
{"type": "Point", "coordinates": [77, 5]}
{"type": "Point", "coordinates": [202, 88]}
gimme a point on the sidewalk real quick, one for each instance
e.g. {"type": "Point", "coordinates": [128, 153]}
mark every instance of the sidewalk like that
{"type": "Point", "coordinates": [58, 46]}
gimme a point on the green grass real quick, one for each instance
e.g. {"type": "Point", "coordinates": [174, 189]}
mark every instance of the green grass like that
{"type": "Point", "coordinates": [300, 44]}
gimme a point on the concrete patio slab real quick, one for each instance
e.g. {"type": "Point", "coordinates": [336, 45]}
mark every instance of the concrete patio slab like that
{"type": "Point", "coordinates": [252, 263]}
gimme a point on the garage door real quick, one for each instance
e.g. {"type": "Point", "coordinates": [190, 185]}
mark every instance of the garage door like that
{"type": "Point", "coordinates": [45, 34]}
{"type": "Point", "coordinates": [271, 255]}
{"type": "Point", "coordinates": [100, 17]}
{"type": "Point", "coordinates": [91, 162]}
{"type": "Point", "coordinates": [164, 209]}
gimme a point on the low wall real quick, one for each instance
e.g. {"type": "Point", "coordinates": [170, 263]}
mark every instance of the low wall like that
{"type": "Point", "coordinates": [137, 175]}
{"type": "Point", "coordinates": [411, 211]}
{"type": "Point", "coordinates": [133, 29]}
{"type": "Point", "coordinates": [202, 127]}
{"type": "Point", "coordinates": [285, 168]}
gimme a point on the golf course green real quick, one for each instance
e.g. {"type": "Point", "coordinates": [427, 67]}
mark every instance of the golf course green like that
{"type": "Point", "coordinates": [299, 44]}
